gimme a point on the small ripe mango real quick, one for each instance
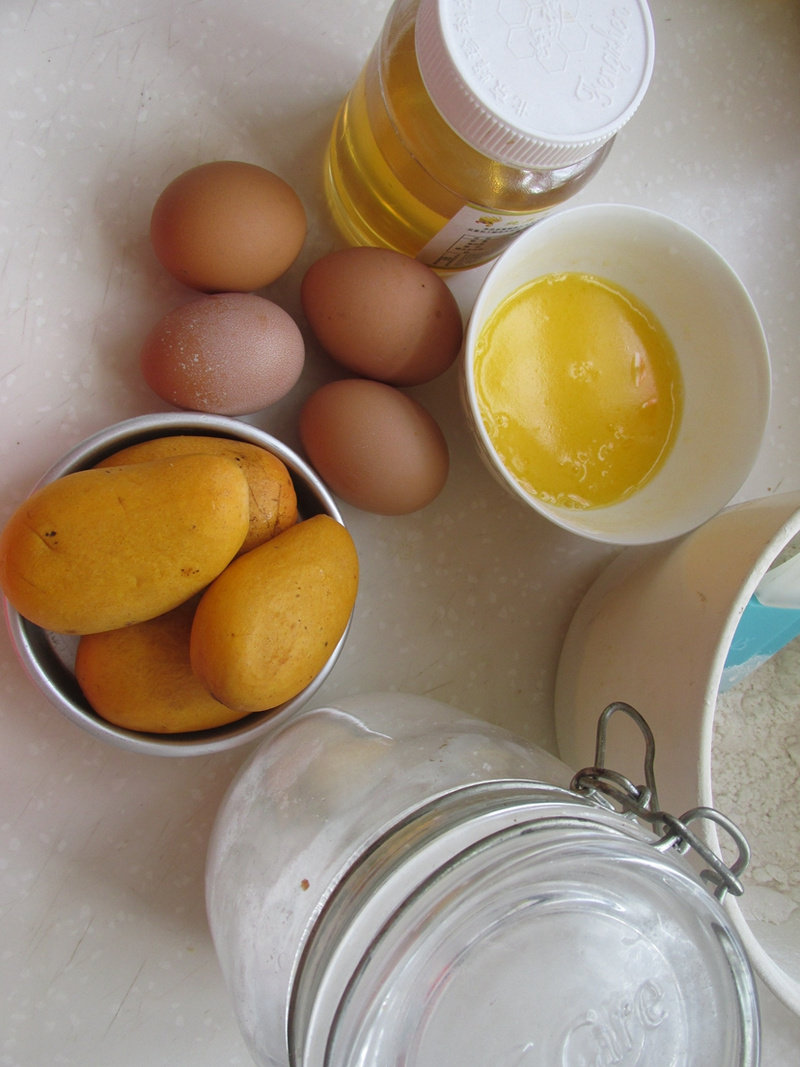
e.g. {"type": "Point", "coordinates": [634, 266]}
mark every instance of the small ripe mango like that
{"type": "Point", "coordinates": [140, 677]}
{"type": "Point", "coordinates": [268, 624]}
{"type": "Point", "coordinates": [273, 501]}
{"type": "Point", "coordinates": [100, 549]}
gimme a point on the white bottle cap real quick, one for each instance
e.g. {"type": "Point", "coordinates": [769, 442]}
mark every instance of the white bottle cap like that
{"type": "Point", "coordinates": [535, 83]}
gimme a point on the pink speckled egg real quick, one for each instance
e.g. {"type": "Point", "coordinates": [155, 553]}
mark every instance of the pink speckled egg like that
{"type": "Point", "coordinates": [226, 353]}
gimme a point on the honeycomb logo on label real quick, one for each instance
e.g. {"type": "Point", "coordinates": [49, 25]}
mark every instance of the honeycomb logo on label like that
{"type": "Point", "coordinates": [548, 30]}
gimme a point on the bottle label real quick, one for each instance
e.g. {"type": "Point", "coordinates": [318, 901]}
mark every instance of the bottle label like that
{"type": "Point", "coordinates": [474, 235]}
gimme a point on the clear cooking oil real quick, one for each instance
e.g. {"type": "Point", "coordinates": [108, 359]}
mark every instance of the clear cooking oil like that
{"type": "Point", "coordinates": [473, 118]}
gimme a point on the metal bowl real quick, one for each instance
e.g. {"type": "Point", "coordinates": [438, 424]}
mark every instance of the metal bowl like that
{"type": "Point", "coordinates": [48, 658]}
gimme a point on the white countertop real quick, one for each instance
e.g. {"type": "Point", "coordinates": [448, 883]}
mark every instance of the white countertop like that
{"type": "Point", "coordinates": [106, 956]}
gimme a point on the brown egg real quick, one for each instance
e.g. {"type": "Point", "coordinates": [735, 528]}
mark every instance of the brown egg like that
{"type": "Point", "coordinates": [376, 447]}
{"type": "Point", "coordinates": [227, 227]}
{"type": "Point", "coordinates": [226, 353]}
{"type": "Point", "coordinates": [382, 314]}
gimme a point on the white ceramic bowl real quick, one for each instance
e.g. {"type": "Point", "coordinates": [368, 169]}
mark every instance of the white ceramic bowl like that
{"type": "Point", "coordinates": [49, 658]}
{"type": "Point", "coordinates": [654, 631]}
{"type": "Point", "coordinates": [719, 343]}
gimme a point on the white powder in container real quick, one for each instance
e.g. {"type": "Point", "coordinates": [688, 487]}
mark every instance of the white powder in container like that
{"type": "Point", "coordinates": [756, 782]}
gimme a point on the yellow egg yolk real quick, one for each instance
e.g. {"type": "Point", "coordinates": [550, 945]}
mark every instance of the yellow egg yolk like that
{"type": "Point", "coordinates": [579, 389]}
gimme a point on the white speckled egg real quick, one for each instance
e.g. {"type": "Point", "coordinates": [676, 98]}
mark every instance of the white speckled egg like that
{"type": "Point", "coordinates": [227, 354]}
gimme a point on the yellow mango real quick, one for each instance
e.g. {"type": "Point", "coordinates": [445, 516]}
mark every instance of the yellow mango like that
{"type": "Point", "coordinates": [140, 677]}
{"type": "Point", "coordinates": [273, 501]}
{"type": "Point", "coordinates": [267, 625]}
{"type": "Point", "coordinates": [100, 549]}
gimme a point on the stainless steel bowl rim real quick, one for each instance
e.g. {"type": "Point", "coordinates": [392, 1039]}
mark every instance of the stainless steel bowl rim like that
{"type": "Point", "coordinates": [33, 645]}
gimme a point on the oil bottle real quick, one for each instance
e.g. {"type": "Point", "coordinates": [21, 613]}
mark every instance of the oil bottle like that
{"type": "Point", "coordinates": [473, 118]}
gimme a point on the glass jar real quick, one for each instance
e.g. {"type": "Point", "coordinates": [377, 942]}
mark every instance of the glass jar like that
{"type": "Point", "coordinates": [470, 121]}
{"type": "Point", "coordinates": [391, 881]}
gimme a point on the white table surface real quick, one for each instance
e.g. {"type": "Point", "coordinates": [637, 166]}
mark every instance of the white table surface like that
{"type": "Point", "coordinates": [105, 955]}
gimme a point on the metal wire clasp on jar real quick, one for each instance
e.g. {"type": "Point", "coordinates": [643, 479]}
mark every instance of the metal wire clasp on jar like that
{"type": "Point", "coordinates": [392, 881]}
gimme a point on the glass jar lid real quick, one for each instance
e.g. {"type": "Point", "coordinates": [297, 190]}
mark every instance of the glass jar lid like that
{"type": "Point", "coordinates": [562, 941]}
{"type": "Point", "coordinates": [519, 923]}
